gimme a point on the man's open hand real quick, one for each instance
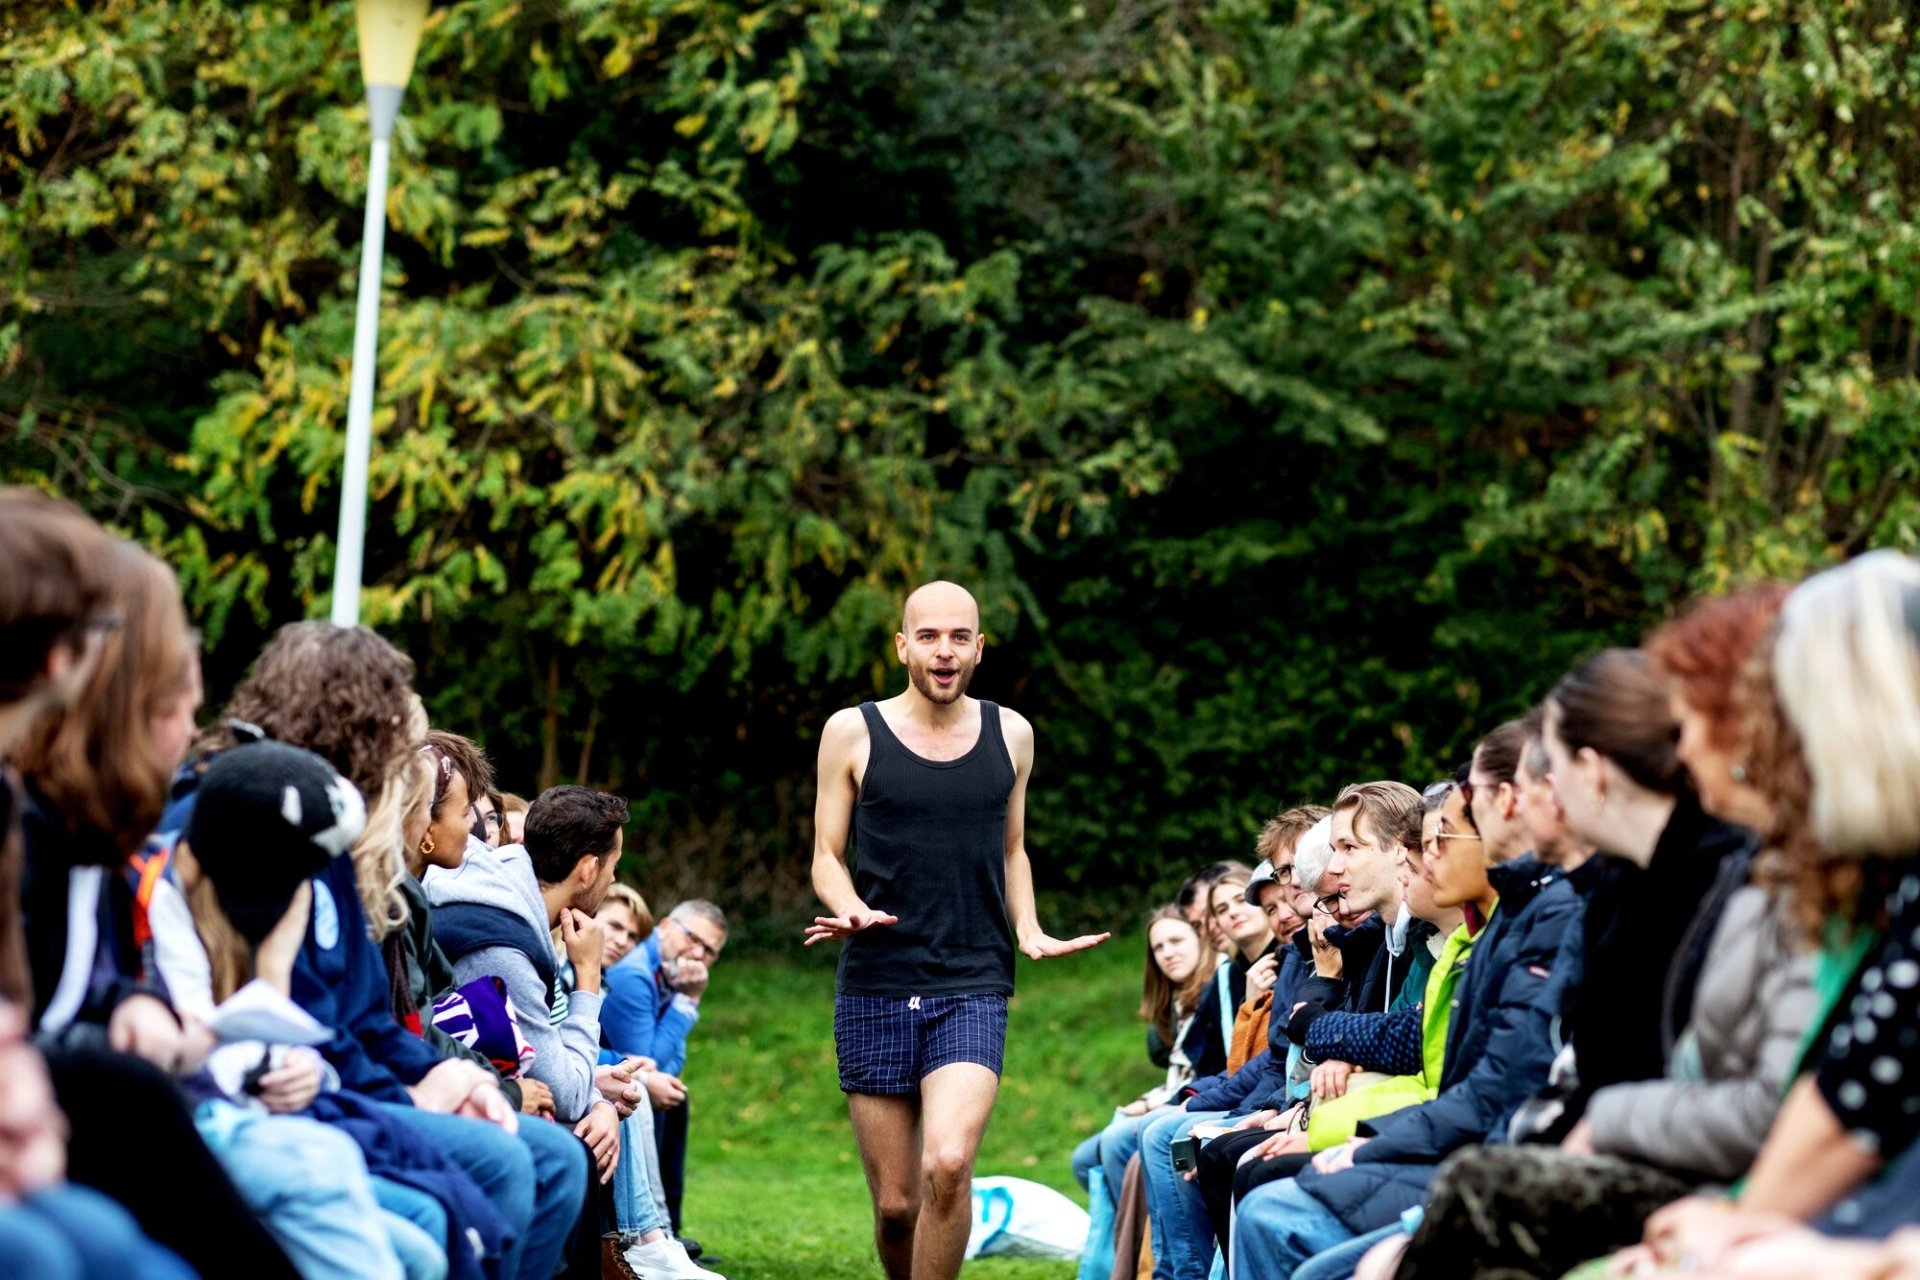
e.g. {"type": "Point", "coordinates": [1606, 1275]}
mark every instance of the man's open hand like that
{"type": "Point", "coordinates": [1040, 946]}
{"type": "Point", "coordinates": [840, 928]}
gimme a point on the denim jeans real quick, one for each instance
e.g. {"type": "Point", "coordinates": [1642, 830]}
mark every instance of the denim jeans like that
{"type": "Point", "coordinates": [638, 1205]}
{"type": "Point", "coordinates": [416, 1223]}
{"type": "Point", "coordinates": [1279, 1227]}
{"type": "Point", "coordinates": [308, 1183]}
{"type": "Point", "coordinates": [1086, 1158]}
{"type": "Point", "coordinates": [69, 1232]}
{"type": "Point", "coordinates": [538, 1181]}
{"type": "Point", "coordinates": [1182, 1232]}
{"type": "Point", "coordinates": [1338, 1262]}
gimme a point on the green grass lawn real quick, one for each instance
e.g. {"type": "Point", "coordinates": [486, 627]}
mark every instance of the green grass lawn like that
{"type": "Point", "coordinates": [773, 1183]}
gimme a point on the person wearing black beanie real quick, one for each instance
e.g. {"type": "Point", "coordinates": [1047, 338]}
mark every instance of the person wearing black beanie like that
{"type": "Point", "coordinates": [268, 817]}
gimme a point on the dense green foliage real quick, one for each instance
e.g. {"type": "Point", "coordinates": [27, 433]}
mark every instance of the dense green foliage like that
{"type": "Point", "coordinates": [1301, 386]}
{"type": "Point", "coordinates": [774, 1181]}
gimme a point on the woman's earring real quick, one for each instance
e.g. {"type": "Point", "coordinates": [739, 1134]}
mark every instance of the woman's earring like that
{"type": "Point", "coordinates": [426, 844]}
{"type": "Point", "coordinates": [1739, 773]}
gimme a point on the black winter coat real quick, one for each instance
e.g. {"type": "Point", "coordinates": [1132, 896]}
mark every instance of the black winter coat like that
{"type": "Point", "coordinates": [1634, 974]}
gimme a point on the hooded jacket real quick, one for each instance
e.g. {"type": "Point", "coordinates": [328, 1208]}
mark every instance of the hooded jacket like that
{"type": "Point", "coordinates": [1498, 1050]}
{"type": "Point", "coordinates": [491, 920]}
{"type": "Point", "coordinates": [429, 975]}
{"type": "Point", "coordinates": [1727, 1070]}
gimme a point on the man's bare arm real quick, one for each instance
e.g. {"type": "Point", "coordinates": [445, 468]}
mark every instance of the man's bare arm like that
{"type": "Point", "coordinates": [832, 820]}
{"type": "Point", "coordinates": [1021, 912]}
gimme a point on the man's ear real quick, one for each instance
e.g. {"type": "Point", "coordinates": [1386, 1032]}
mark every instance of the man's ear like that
{"type": "Point", "coordinates": [1507, 798]}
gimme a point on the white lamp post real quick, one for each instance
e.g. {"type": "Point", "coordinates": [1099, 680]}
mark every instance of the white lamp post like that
{"type": "Point", "coordinates": [389, 39]}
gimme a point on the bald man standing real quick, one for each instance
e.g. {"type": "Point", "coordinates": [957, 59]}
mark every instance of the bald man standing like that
{"type": "Point", "coordinates": [931, 785]}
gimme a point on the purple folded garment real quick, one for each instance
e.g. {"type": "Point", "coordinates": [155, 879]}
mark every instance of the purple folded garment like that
{"type": "Point", "coordinates": [480, 1015]}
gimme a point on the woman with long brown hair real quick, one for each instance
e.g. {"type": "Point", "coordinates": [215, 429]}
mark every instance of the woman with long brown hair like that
{"type": "Point", "coordinates": [1174, 992]}
{"type": "Point", "coordinates": [96, 779]}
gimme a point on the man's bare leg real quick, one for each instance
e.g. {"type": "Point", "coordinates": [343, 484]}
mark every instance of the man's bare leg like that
{"type": "Point", "coordinates": [888, 1131]}
{"type": "Point", "coordinates": [955, 1102]}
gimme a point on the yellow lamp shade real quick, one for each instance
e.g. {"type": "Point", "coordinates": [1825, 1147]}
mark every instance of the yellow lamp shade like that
{"type": "Point", "coordinates": [389, 39]}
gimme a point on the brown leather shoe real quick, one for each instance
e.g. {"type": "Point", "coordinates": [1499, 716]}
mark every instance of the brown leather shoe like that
{"type": "Point", "coordinates": [613, 1259]}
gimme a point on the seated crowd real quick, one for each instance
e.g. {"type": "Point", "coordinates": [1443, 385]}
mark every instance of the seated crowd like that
{"type": "Point", "coordinates": [1633, 992]}
{"type": "Point", "coordinates": [302, 993]}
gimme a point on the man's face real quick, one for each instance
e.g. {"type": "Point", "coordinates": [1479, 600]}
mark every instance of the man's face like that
{"type": "Point", "coordinates": [1200, 916]}
{"type": "Point", "coordinates": [941, 647]}
{"type": "Point", "coordinates": [1362, 872]}
{"type": "Point", "coordinates": [694, 938]}
{"type": "Point", "coordinates": [622, 930]}
{"type": "Point", "coordinates": [596, 893]}
{"type": "Point", "coordinates": [1282, 920]}
{"type": "Point", "coordinates": [1288, 894]}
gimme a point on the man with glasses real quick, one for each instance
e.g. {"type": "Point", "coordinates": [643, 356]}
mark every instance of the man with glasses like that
{"type": "Point", "coordinates": [653, 1002]}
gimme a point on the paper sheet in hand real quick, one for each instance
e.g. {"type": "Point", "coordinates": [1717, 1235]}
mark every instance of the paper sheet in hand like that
{"type": "Point", "coordinates": [258, 1012]}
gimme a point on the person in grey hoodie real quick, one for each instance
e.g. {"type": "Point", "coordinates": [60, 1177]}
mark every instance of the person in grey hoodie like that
{"type": "Point", "coordinates": [494, 916]}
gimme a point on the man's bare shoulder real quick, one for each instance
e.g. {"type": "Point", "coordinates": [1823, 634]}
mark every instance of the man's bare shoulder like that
{"type": "Point", "coordinates": [1016, 728]}
{"type": "Point", "coordinates": [845, 729]}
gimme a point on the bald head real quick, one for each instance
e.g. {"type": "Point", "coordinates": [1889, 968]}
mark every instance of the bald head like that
{"type": "Point", "coordinates": [942, 602]}
{"type": "Point", "coordinates": [939, 641]}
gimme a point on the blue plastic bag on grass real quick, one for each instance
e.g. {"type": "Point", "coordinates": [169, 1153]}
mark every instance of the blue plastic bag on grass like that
{"type": "Point", "coordinates": [1015, 1218]}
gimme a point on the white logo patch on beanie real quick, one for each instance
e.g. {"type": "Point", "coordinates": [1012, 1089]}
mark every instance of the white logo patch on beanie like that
{"type": "Point", "coordinates": [349, 817]}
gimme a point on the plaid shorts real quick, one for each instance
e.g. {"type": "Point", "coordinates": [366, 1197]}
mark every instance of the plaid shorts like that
{"type": "Point", "coordinates": [889, 1044]}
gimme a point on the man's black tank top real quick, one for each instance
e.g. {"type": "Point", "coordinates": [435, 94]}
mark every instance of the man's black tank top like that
{"type": "Point", "coordinates": [929, 846]}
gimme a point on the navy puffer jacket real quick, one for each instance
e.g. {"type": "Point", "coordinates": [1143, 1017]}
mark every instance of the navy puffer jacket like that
{"type": "Point", "coordinates": [1499, 1048]}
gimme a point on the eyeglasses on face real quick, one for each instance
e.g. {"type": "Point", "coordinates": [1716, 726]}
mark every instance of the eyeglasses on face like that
{"type": "Point", "coordinates": [710, 951]}
{"type": "Point", "coordinates": [1328, 905]}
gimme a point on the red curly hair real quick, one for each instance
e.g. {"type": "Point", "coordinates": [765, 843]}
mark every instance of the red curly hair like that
{"type": "Point", "coordinates": [1704, 650]}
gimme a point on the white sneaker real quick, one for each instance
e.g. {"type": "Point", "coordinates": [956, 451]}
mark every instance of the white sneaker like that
{"type": "Point", "coordinates": [666, 1259]}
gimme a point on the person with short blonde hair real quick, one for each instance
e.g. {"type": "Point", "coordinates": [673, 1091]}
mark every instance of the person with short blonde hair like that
{"type": "Point", "coordinates": [628, 921]}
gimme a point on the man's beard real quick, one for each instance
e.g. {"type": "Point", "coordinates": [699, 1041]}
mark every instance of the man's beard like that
{"type": "Point", "coordinates": [922, 678]}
